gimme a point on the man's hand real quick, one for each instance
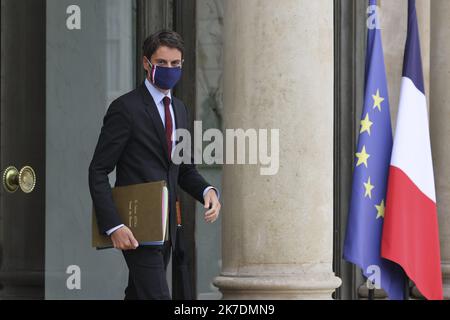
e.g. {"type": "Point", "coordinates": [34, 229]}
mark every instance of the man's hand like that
{"type": "Point", "coordinates": [212, 203]}
{"type": "Point", "coordinates": [123, 239]}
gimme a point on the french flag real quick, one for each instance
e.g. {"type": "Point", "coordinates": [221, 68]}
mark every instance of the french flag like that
{"type": "Point", "coordinates": [410, 232]}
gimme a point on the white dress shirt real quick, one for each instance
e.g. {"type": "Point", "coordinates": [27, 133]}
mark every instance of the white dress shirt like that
{"type": "Point", "coordinates": [158, 97]}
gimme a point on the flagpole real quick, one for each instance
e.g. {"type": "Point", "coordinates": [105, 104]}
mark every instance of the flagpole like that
{"type": "Point", "coordinates": [371, 289]}
{"type": "Point", "coordinates": [407, 293]}
{"type": "Point", "coordinates": [371, 294]}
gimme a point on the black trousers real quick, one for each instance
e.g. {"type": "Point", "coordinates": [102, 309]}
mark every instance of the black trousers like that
{"type": "Point", "coordinates": [147, 267]}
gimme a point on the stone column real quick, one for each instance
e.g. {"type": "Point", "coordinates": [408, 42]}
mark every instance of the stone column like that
{"type": "Point", "coordinates": [278, 230]}
{"type": "Point", "coordinates": [440, 126]}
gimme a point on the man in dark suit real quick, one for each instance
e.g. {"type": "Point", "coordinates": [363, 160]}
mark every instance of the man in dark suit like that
{"type": "Point", "coordinates": [138, 138]}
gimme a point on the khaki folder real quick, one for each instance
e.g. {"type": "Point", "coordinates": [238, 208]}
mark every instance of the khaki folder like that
{"type": "Point", "coordinates": [142, 207]}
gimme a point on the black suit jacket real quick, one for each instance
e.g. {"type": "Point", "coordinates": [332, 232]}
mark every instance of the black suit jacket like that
{"type": "Point", "coordinates": [133, 140]}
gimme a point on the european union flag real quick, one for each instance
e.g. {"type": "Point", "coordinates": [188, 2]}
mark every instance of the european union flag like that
{"type": "Point", "coordinates": [373, 155]}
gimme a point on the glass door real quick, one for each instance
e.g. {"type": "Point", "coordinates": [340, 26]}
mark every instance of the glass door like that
{"type": "Point", "coordinates": [90, 61]}
{"type": "Point", "coordinates": [62, 64]}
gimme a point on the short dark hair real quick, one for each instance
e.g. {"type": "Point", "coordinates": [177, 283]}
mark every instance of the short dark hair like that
{"type": "Point", "coordinates": [162, 38]}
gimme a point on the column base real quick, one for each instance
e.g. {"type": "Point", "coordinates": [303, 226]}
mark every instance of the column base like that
{"type": "Point", "coordinates": [285, 286]}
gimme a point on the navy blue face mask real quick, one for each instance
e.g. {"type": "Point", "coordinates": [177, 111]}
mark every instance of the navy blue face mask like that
{"type": "Point", "coordinates": [164, 77]}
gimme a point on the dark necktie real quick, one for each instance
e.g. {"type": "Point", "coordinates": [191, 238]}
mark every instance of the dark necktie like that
{"type": "Point", "coordinates": [169, 128]}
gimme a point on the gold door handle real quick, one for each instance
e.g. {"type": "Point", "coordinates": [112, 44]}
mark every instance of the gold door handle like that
{"type": "Point", "coordinates": [13, 179]}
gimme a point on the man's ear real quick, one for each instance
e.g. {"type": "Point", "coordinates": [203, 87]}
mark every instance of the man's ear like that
{"type": "Point", "coordinates": [145, 64]}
